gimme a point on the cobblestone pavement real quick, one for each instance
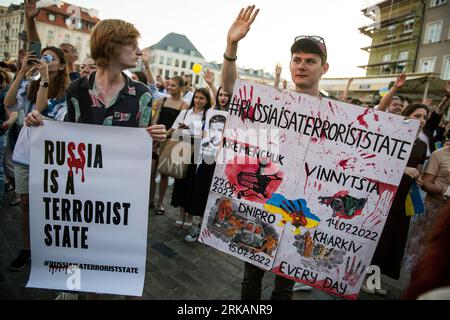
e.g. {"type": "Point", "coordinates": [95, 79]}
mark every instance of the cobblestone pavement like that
{"type": "Point", "coordinates": [176, 270]}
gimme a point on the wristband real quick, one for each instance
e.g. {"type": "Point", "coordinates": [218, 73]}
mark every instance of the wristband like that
{"type": "Point", "coordinates": [229, 58]}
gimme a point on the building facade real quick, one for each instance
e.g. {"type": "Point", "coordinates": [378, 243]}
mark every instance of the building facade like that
{"type": "Point", "coordinates": [54, 24]}
{"type": "Point", "coordinates": [176, 55]}
{"type": "Point", "coordinates": [395, 34]}
{"type": "Point", "coordinates": [11, 26]}
{"type": "Point", "coordinates": [434, 49]}
{"type": "Point", "coordinates": [67, 23]}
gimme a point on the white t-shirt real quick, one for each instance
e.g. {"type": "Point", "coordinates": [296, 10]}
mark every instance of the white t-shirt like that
{"type": "Point", "coordinates": [192, 120]}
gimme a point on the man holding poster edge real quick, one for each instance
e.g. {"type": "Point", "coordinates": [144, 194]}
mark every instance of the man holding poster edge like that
{"type": "Point", "coordinates": [308, 65]}
{"type": "Point", "coordinates": [108, 97]}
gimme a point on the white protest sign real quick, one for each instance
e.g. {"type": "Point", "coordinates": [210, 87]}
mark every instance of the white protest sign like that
{"type": "Point", "coordinates": [212, 137]}
{"type": "Point", "coordinates": [89, 191]}
{"type": "Point", "coordinates": [303, 185]}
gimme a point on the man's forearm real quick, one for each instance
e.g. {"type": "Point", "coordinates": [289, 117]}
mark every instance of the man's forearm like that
{"type": "Point", "coordinates": [386, 100]}
{"type": "Point", "coordinates": [229, 73]}
{"type": "Point", "coordinates": [443, 105]}
{"type": "Point", "coordinates": [10, 98]}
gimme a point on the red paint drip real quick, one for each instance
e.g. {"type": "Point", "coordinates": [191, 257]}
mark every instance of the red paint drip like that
{"type": "Point", "coordinates": [361, 120]}
{"type": "Point", "coordinates": [344, 163]}
{"type": "Point", "coordinates": [331, 107]}
{"type": "Point", "coordinates": [376, 117]}
{"type": "Point", "coordinates": [307, 177]}
{"type": "Point", "coordinates": [75, 163]}
{"type": "Point", "coordinates": [370, 156]}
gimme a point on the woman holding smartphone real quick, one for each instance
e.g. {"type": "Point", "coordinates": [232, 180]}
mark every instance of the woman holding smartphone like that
{"type": "Point", "coordinates": [46, 95]}
{"type": "Point", "coordinates": [192, 122]}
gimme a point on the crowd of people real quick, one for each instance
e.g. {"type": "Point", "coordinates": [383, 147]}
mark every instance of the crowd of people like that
{"type": "Point", "coordinates": [66, 87]}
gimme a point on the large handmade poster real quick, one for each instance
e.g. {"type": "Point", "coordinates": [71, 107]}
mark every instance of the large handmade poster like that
{"type": "Point", "coordinates": [89, 191]}
{"type": "Point", "coordinates": [303, 185]}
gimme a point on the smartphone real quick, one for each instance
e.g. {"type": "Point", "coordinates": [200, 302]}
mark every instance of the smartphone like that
{"type": "Point", "coordinates": [35, 48]}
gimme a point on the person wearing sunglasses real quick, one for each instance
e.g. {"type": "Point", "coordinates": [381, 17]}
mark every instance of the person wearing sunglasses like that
{"type": "Point", "coordinates": [308, 64]}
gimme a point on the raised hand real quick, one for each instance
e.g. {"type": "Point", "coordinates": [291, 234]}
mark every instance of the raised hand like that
{"type": "Point", "coordinates": [27, 63]}
{"type": "Point", "coordinates": [241, 25]}
{"type": "Point", "coordinates": [278, 69]}
{"type": "Point", "coordinates": [208, 75]}
{"type": "Point", "coordinates": [400, 82]}
{"type": "Point", "coordinates": [146, 55]}
{"type": "Point", "coordinates": [30, 9]}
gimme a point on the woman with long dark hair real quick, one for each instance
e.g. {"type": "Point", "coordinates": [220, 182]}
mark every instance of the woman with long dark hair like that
{"type": "Point", "coordinates": [46, 95]}
{"type": "Point", "coordinates": [192, 121]}
{"type": "Point", "coordinates": [391, 246]}
{"type": "Point", "coordinates": [204, 172]}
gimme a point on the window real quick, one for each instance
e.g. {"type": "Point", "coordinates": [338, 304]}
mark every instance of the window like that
{"type": "Point", "coordinates": [192, 53]}
{"type": "Point", "coordinates": [391, 31]}
{"type": "Point", "coordinates": [175, 73]}
{"type": "Point", "coordinates": [50, 34]}
{"type": "Point", "coordinates": [427, 64]}
{"type": "Point", "coordinates": [446, 70]}
{"type": "Point", "coordinates": [408, 26]}
{"type": "Point", "coordinates": [183, 64]}
{"type": "Point", "coordinates": [181, 50]}
{"type": "Point", "coordinates": [167, 74]}
{"type": "Point", "coordinates": [387, 57]}
{"type": "Point", "coordinates": [160, 72]}
{"type": "Point", "coordinates": [385, 69]}
{"type": "Point", "coordinates": [78, 44]}
{"type": "Point", "coordinates": [170, 48]}
{"type": "Point", "coordinates": [161, 60]}
{"type": "Point", "coordinates": [192, 65]}
{"type": "Point", "coordinates": [67, 38]}
{"type": "Point", "coordinates": [197, 79]}
{"type": "Point", "coordinates": [433, 32]}
{"type": "Point", "coordinates": [435, 3]}
{"type": "Point", "coordinates": [177, 63]}
{"type": "Point", "coordinates": [169, 61]}
{"type": "Point", "coordinates": [51, 17]}
{"type": "Point", "coordinates": [403, 55]}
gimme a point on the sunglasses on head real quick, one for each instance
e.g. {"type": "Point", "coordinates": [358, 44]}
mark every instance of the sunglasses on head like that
{"type": "Point", "coordinates": [314, 38]}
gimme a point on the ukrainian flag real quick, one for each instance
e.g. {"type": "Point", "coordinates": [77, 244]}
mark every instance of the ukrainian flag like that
{"type": "Point", "coordinates": [414, 201]}
{"type": "Point", "coordinates": [273, 205]}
